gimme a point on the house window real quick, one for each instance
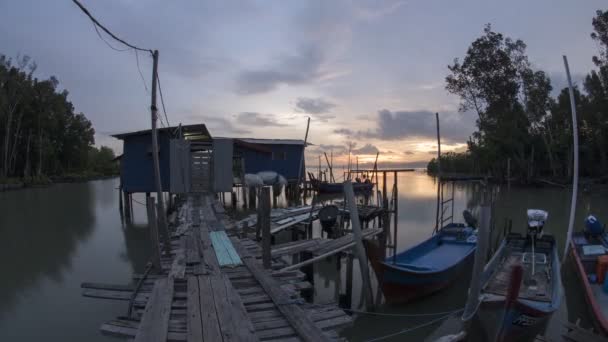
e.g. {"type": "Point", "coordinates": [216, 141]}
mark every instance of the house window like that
{"type": "Point", "coordinates": [279, 155]}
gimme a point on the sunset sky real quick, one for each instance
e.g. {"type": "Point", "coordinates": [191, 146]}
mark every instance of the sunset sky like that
{"type": "Point", "coordinates": [368, 72]}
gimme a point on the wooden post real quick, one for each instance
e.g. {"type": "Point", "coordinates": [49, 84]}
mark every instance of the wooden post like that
{"type": "Point", "coordinates": [265, 225]}
{"type": "Point", "coordinates": [150, 208]}
{"type": "Point", "coordinates": [160, 211]}
{"type": "Point", "coordinates": [243, 190]}
{"type": "Point", "coordinates": [303, 152]}
{"type": "Point", "coordinates": [233, 199]}
{"type": "Point", "coordinates": [438, 177]}
{"type": "Point", "coordinates": [120, 206]}
{"type": "Point", "coordinates": [349, 279]}
{"type": "Point", "coordinates": [396, 217]}
{"type": "Point", "coordinates": [386, 222]}
{"type": "Point", "coordinates": [127, 209]}
{"type": "Point", "coordinates": [252, 197]}
{"type": "Point", "coordinates": [480, 262]}
{"type": "Point", "coordinates": [359, 248]}
{"type": "Point", "coordinates": [509, 173]}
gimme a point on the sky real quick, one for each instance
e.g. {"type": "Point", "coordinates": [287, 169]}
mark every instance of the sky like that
{"type": "Point", "coordinates": [369, 74]}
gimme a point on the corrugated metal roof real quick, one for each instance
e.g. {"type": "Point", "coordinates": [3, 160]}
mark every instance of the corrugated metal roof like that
{"type": "Point", "coordinates": [274, 141]}
{"type": "Point", "coordinates": [196, 132]}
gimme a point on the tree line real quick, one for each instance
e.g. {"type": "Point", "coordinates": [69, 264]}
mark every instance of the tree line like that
{"type": "Point", "coordinates": [518, 119]}
{"type": "Point", "coordinates": [41, 134]}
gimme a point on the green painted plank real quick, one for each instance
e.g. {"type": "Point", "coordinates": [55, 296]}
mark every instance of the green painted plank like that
{"type": "Point", "coordinates": [236, 260]}
{"type": "Point", "coordinates": [225, 253]}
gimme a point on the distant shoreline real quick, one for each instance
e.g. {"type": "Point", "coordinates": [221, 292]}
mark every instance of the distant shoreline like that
{"type": "Point", "coordinates": [20, 185]}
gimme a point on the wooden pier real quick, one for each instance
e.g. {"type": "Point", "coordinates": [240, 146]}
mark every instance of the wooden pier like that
{"type": "Point", "coordinates": [213, 287]}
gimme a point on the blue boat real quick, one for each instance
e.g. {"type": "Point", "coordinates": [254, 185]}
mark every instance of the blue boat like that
{"type": "Point", "coordinates": [427, 267]}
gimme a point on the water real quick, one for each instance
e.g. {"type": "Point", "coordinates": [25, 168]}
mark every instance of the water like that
{"type": "Point", "coordinates": [52, 239]}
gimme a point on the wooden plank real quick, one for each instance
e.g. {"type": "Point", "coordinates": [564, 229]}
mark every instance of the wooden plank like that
{"type": "Point", "coordinates": [195, 326]}
{"type": "Point", "coordinates": [155, 320]}
{"type": "Point", "coordinates": [234, 325]}
{"type": "Point", "coordinates": [298, 318]}
{"type": "Point", "coordinates": [211, 327]}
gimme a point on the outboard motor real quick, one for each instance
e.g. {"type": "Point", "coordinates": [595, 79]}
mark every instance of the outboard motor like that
{"type": "Point", "coordinates": [593, 226]}
{"type": "Point", "coordinates": [536, 221]}
{"type": "Point", "coordinates": [469, 219]}
{"type": "Point", "coordinates": [328, 215]}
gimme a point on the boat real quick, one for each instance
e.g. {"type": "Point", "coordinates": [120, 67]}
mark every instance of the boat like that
{"type": "Point", "coordinates": [427, 267]}
{"type": "Point", "coordinates": [335, 188]}
{"type": "Point", "coordinates": [587, 247]}
{"type": "Point", "coordinates": [519, 310]}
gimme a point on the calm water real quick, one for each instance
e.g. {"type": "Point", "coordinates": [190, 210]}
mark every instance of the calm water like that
{"type": "Point", "coordinates": [55, 238]}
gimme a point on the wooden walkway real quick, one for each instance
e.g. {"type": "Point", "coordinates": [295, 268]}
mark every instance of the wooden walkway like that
{"type": "Point", "coordinates": [196, 299]}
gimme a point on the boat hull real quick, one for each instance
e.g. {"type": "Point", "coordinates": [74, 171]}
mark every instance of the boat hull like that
{"type": "Point", "coordinates": [599, 319]}
{"type": "Point", "coordinates": [402, 286]}
{"type": "Point", "coordinates": [335, 188]}
{"type": "Point", "coordinates": [521, 323]}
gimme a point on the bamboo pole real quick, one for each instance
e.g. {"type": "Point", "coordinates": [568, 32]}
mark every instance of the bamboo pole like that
{"type": "Point", "coordinates": [438, 173]}
{"type": "Point", "coordinates": [303, 152]}
{"type": "Point", "coordinates": [575, 151]}
{"type": "Point", "coordinates": [359, 248]}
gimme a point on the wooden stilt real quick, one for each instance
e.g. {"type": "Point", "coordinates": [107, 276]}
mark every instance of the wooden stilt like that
{"type": "Point", "coordinates": [265, 225]}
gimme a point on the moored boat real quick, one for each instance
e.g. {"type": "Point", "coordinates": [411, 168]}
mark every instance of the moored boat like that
{"type": "Point", "coordinates": [538, 295]}
{"type": "Point", "coordinates": [427, 267]}
{"type": "Point", "coordinates": [588, 249]}
{"type": "Point", "coordinates": [335, 188]}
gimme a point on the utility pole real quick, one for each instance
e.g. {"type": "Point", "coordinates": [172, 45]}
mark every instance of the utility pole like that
{"type": "Point", "coordinates": [162, 219]}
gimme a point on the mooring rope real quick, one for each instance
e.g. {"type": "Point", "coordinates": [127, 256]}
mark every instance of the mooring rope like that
{"type": "Point", "coordinates": [404, 331]}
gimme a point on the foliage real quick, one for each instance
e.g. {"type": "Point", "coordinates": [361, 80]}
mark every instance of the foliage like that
{"type": "Point", "coordinates": [517, 117]}
{"type": "Point", "coordinates": [40, 132]}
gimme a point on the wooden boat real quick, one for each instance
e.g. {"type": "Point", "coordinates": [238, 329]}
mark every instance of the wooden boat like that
{"type": "Point", "coordinates": [427, 267]}
{"type": "Point", "coordinates": [335, 188]}
{"type": "Point", "coordinates": [539, 292]}
{"type": "Point", "coordinates": [586, 248]}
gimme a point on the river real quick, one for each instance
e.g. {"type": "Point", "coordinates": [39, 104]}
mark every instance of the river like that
{"type": "Point", "coordinates": [57, 237]}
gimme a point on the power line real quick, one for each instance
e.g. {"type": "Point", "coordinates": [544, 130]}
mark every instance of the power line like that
{"type": "Point", "coordinates": [162, 100]}
{"type": "Point", "coordinates": [108, 43]}
{"type": "Point", "coordinates": [105, 29]}
{"type": "Point", "coordinates": [140, 73]}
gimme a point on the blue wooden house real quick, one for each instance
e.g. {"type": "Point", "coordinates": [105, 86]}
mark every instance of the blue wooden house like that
{"type": "Point", "coordinates": [280, 155]}
{"type": "Point", "coordinates": [136, 168]}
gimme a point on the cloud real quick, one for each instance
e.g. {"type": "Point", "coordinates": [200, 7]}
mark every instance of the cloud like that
{"type": "Point", "coordinates": [302, 68]}
{"type": "Point", "coordinates": [315, 106]}
{"type": "Point", "coordinates": [336, 150]}
{"type": "Point", "coordinates": [409, 153]}
{"type": "Point", "coordinates": [257, 119]}
{"type": "Point", "coordinates": [367, 149]}
{"type": "Point", "coordinates": [432, 152]}
{"type": "Point", "coordinates": [456, 127]}
{"type": "Point", "coordinates": [218, 125]}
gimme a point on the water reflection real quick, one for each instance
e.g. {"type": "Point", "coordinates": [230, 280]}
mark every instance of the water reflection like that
{"type": "Point", "coordinates": [52, 240]}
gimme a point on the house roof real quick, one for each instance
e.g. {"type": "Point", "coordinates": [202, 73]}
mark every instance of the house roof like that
{"type": "Point", "coordinates": [273, 141]}
{"type": "Point", "coordinates": [197, 132]}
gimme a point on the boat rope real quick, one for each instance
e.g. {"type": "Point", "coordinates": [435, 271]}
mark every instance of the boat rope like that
{"type": "Point", "coordinates": [404, 331]}
{"type": "Point", "coordinates": [371, 313]}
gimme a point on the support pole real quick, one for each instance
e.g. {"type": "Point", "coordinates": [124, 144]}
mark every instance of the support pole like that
{"type": "Point", "coordinates": [509, 173]}
{"type": "Point", "coordinates": [265, 225]}
{"type": "Point", "coordinates": [359, 248]}
{"type": "Point", "coordinates": [438, 173]}
{"type": "Point", "coordinates": [480, 261]}
{"type": "Point", "coordinates": [150, 208]}
{"type": "Point", "coordinates": [396, 217]}
{"type": "Point", "coordinates": [160, 211]}
{"type": "Point", "coordinates": [575, 151]}
{"type": "Point", "coordinates": [386, 221]}
{"type": "Point", "coordinates": [303, 152]}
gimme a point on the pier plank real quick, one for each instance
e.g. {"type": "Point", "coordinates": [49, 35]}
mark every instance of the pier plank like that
{"type": "Point", "coordinates": [155, 321]}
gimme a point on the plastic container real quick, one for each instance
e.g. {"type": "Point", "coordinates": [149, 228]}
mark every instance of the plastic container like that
{"type": "Point", "coordinates": [602, 267]}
